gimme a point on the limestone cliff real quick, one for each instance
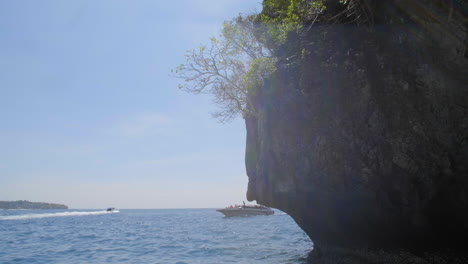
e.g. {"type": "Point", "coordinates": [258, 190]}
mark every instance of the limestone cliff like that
{"type": "Point", "coordinates": [363, 141]}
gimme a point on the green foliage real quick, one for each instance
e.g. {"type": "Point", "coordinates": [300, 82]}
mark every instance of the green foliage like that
{"type": "Point", "coordinates": [279, 18]}
{"type": "Point", "coordinates": [259, 69]}
{"type": "Point", "coordinates": [291, 11]}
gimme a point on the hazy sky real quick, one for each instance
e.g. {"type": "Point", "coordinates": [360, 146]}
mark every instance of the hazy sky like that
{"type": "Point", "coordinates": [90, 117]}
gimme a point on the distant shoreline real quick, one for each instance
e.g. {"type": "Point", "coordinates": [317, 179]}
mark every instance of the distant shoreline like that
{"type": "Point", "coordinates": [3, 209]}
{"type": "Point", "coordinates": [27, 205]}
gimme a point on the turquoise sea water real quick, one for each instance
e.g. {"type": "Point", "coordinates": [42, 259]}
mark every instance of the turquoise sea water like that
{"type": "Point", "coordinates": [149, 236]}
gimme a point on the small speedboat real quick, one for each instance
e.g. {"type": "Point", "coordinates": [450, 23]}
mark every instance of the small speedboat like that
{"type": "Point", "coordinates": [110, 209]}
{"type": "Point", "coordinates": [246, 210]}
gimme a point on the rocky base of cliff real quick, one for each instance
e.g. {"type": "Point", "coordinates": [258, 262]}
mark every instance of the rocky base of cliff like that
{"type": "Point", "coordinates": [329, 255]}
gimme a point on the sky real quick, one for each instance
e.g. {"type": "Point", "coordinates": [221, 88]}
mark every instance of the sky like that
{"type": "Point", "coordinates": [90, 116]}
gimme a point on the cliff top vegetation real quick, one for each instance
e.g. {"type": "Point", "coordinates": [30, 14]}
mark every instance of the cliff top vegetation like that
{"type": "Point", "coordinates": [249, 48]}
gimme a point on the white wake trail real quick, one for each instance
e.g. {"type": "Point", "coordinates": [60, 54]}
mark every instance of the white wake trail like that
{"type": "Point", "coordinates": [37, 216]}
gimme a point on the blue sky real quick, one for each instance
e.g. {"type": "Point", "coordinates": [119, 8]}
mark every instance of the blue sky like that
{"type": "Point", "coordinates": [90, 116]}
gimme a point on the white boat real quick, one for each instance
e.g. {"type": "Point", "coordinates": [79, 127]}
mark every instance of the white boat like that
{"type": "Point", "coordinates": [246, 210]}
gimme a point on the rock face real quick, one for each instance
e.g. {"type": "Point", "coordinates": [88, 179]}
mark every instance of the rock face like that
{"type": "Point", "coordinates": [364, 141]}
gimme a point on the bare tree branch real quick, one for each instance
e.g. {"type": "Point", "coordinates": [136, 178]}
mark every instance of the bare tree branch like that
{"type": "Point", "coordinates": [227, 68]}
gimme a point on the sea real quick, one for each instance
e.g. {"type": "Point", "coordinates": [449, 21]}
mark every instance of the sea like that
{"type": "Point", "coordinates": [169, 236]}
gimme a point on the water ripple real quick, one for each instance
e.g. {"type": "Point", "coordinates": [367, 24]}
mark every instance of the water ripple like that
{"type": "Point", "coordinates": [149, 236]}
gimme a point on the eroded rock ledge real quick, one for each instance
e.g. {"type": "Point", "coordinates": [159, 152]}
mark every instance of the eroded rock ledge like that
{"type": "Point", "coordinates": [364, 141]}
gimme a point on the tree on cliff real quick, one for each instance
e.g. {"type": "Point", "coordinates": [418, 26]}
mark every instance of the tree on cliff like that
{"type": "Point", "coordinates": [229, 68]}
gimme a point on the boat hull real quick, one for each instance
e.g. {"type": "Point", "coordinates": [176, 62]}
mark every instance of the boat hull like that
{"type": "Point", "coordinates": [245, 211]}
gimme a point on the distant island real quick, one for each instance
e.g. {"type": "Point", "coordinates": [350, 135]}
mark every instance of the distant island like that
{"type": "Point", "coordinates": [23, 204]}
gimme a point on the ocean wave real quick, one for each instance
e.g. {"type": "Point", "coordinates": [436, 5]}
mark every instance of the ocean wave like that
{"type": "Point", "coordinates": [62, 214]}
{"type": "Point", "coordinates": [150, 236]}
